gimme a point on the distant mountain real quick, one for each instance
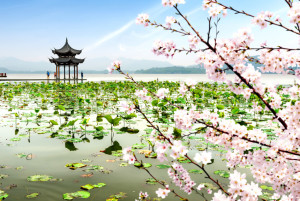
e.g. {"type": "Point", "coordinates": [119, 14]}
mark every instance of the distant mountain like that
{"type": "Point", "coordinates": [12, 65]}
{"type": "Point", "coordinates": [127, 64]}
{"type": "Point", "coordinates": [94, 64]}
{"type": "Point", "coordinates": [172, 70]}
{"type": "Point", "coordinates": [18, 65]}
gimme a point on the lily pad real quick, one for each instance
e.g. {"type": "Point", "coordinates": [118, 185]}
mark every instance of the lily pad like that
{"type": "Point", "coordinates": [222, 173]}
{"type": "Point", "coordinates": [2, 176]}
{"type": "Point", "coordinates": [42, 178]}
{"type": "Point", "coordinates": [14, 139]}
{"type": "Point", "coordinates": [119, 195]}
{"type": "Point", "coordinates": [90, 186]}
{"type": "Point", "coordinates": [32, 195]}
{"type": "Point", "coordinates": [163, 166]}
{"type": "Point", "coordinates": [3, 195]}
{"type": "Point", "coordinates": [139, 146]}
{"type": "Point", "coordinates": [74, 166]}
{"type": "Point", "coordinates": [21, 155]}
{"type": "Point", "coordinates": [195, 171]}
{"type": "Point", "coordinates": [264, 187]}
{"type": "Point", "coordinates": [78, 194]}
{"type": "Point", "coordinates": [151, 181]}
{"type": "Point", "coordinates": [123, 164]}
{"type": "Point", "coordinates": [19, 168]}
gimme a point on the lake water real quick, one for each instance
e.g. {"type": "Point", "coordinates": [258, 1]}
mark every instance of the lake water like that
{"type": "Point", "coordinates": [267, 79]}
{"type": "Point", "coordinates": [48, 156]}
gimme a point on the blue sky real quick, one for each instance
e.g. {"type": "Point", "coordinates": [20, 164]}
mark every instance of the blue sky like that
{"type": "Point", "coordinates": [30, 28]}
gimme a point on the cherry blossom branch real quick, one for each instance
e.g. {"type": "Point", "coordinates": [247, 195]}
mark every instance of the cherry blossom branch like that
{"type": "Point", "coordinates": [199, 121]}
{"type": "Point", "coordinates": [158, 181]}
{"type": "Point", "coordinates": [209, 29]}
{"type": "Point", "coordinates": [268, 48]}
{"type": "Point", "coordinates": [186, 155]}
{"type": "Point", "coordinates": [289, 3]}
{"type": "Point", "coordinates": [244, 138]}
{"type": "Point", "coordinates": [182, 31]}
{"type": "Point", "coordinates": [231, 68]}
{"type": "Point", "coordinates": [247, 14]}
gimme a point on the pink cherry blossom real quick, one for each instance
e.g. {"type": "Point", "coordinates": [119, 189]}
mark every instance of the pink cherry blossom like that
{"type": "Point", "coordinates": [162, 193]}
{"type": "Point", "coordinates": [143, 19]}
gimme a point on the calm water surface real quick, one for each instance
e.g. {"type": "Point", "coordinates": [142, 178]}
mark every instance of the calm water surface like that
{"type": "Point", "coordinates": [267, 79]}
{"type": "Point", "coordinates": [49, 156]}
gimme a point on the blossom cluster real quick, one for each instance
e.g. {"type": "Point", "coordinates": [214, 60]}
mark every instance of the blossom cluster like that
{"type": "Point", "coordinates": [161, 93]}
{"type": "Point", "coordinates": [294, 13]}
{"type": "Point", "coordinates": [143, 19]}
{"type": "Point", "coordinates": [238, 187]}
{"type": "Point", "coordinates": [164, 48]}
{"type": "Point", "coordinates": [261, 18]}
{"type": "Point", "coordinates": [128, 155]}
{"type": "Point", "coordinates": [214, 9]}
{"type": "Point", "coordinates": [115, 65]}
{"type": "Point", "coordinates": [181, 178]}
{"type": "Point", "coordinates": [124, 107]}
{"type": "Point", "coordinates": [278, 61]}
{"type": "Point", "coordinates": [184, 119]}
{"type": "Point", "coordinates": [172, 2]}
{"type": "Point", "coordinates": [194, 41]}
{"type": "Point", "coordinates": [204, 157]}
{"type": "Point", "coordinates": [169, 21]}
{"type": "Point", "coordinates": [163, 193]}
{"type": "Point", "coordinates": [143, 94]}
{"type": "Point", "coordinates": [182, 89]}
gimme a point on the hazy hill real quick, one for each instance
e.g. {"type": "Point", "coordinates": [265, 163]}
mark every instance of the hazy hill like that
{"type": "Point", "coordinates": [96, 64]}
{"type": "Point", "coordinates": [172, 70]}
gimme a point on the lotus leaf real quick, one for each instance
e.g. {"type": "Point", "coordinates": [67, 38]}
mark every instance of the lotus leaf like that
{"type": "Point", "coordinates": [195, 171]}
{"type": "Point", "coordinates": [78, 194]}
{"type": "Point", "coordinates": [151, 181]}
{"type": "Point", "coordinates": [2, 176]}
{"type": "Point", "coordinates": [162, 166]}
{"type": "Point", "coordinates": [3, 195]}
{"type": "Point", "coordinates": [222, 173]}
{"type": "Point", "coordinates": [42, 178]}
{"type": "Point", "coordinates": [74, 166]}
{"type": "Point", "coordinates": [32, 195]}
{"type": "Point", "coordinates": [14, 139]}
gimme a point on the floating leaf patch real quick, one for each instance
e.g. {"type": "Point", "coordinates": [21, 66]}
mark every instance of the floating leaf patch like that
{"type": "Point", "coordinates": [78, 194]}
{"type": "Point", "coordinates": [3, 195]}
{"type": "Point", "coordinates": [222, 173]}
{"type": "Point", "coordinates": [42, 178]}
{"type": "Point", "coordinates": [264, 187]}
{"type": "Point", "coordinates": [74, 166]}
{"type": "Point", "coordinates": [2, 176]}
{"type": "Point", "coordinates": [162, 166]}
{"type": "Point", "coordinates": [151, 181]}
{"type": "Point", "coordinates": [90, 186]}
{"type": "Point", "coordinates": [32, 195]}
{"type": "Point", "coordinates": [14, 139]}
{"type": "Point", "coordinates": [195, 171]}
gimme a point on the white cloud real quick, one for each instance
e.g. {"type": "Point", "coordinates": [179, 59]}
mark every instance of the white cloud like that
{"type": "Point", "coordinates": [110, 36]}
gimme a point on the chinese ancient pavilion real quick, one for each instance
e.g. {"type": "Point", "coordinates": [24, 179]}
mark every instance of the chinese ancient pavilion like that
{"type": "Point", "coordinates": [66, 58]}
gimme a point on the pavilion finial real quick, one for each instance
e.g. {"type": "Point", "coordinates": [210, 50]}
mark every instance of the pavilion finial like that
{"type": "Point", "coordinates": [66, 40]}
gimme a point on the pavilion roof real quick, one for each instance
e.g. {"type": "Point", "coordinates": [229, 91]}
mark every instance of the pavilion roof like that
{"type": "Point", "coordinates": [66, 50]}
{"type": "Point", "coordinates": [66, 60]}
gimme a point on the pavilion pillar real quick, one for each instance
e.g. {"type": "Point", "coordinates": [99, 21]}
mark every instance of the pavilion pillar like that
{"type": "Point", "coordinates": [77, 71]}
{"type": "Point", "coordinates": [56, 72]}
{"type": "Point", "coordinates": [69, 71]}
{"type": "Point", "coordinates": [74, 72]}
{"type": "Point", "coordinates": [64, 72]}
